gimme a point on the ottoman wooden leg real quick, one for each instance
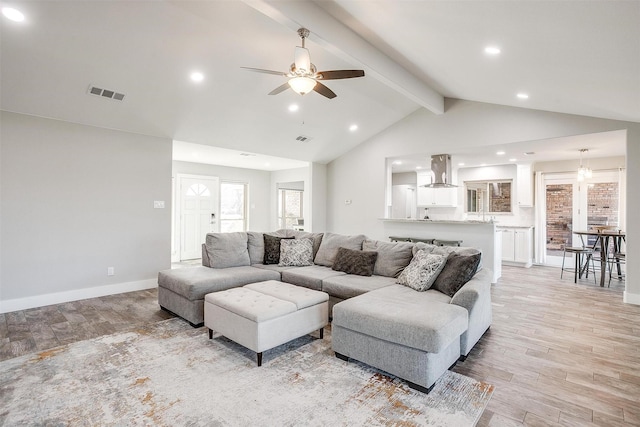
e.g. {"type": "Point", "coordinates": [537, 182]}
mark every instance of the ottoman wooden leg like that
{"type": "Point", "coordinates": [210, 333]}
{"type": "Point", "coordinates": [260, 359]}
{"type": "Point", "coordinates": [321, 333]}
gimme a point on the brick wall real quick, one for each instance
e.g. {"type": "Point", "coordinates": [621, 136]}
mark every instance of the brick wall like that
{"type": "Point", "coordinates": [602, 204]}
{"type": "Point", "coordinates": [500, 199]}
{"type": "Point", "coordinates": [559, 215]}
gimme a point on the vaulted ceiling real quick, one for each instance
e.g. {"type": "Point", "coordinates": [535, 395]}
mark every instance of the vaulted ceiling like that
{"type": "Point", "coordinates": [573, 57]}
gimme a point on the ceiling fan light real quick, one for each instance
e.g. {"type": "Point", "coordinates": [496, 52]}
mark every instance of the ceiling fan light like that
{"type": "Point", "coordinates": [302, 85]}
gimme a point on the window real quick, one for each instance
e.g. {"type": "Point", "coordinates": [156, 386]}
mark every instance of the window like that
{"type": "Point", "coordinates": [488, 196]}
{"type": "Point", "coordinates": [198, 190]}
{"type": "Point", "coordinates": [289, 207]}
{"type": "Point", "coordinates": [233, 207]}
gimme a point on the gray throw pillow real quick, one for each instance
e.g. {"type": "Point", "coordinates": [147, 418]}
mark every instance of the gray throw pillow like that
{"type": "Point", "coordinates": [352, 261]}
{"type": "Point", "coordinates": [459, 269]}
{"type": "Point", "coordinates": [296, 252]}
{"type": "Point", "coordinates": [227, 249]}
{"type": "Point", "coordinates": [256, 247]}
{"type": "Point", "coordinates": [393, 257]}
{"type": "Point", "coordinates": [272, 249]}
{"type": "Point", "coordinates": [330, 244]}
{"type": "Point", "coordinates": [422, 271]}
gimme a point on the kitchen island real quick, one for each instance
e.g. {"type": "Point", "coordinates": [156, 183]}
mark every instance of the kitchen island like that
{"type": "Point", "coordinates": [478, 234]}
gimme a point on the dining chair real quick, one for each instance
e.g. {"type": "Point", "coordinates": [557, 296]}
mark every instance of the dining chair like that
{"type": "Point", "coordinates": [616, 260]}
{"type": "Point", "coordinates": [582, 255]}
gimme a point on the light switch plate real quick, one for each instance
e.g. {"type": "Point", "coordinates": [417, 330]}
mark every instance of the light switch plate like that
{"type": "Point", "coordinates": [158, 204]}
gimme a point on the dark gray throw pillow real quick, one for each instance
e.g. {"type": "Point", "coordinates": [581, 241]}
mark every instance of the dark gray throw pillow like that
{"type": "Point", "coordinates": [272, 249]}
{"type": "Point", "coordinates": [458, 270]}
{"type": "Point", "coordinates": [352, 261]}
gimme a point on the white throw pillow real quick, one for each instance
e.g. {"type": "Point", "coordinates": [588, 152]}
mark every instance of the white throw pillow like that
{"type": "Point", "coordinates": [422, 271]}
{"type": "Point", "coordinates": [296, 252]}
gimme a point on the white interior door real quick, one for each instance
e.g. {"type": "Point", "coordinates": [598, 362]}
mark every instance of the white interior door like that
{"type": "Point", "coordinates": [199, 213]}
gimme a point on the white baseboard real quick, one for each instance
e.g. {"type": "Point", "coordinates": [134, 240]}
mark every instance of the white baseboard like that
{"type": "Point", "coordinates": [16, 304]}
{"type": "Point", "coordinates": [630, 298]}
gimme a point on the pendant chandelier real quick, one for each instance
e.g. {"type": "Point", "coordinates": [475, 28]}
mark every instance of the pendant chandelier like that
{"type": "Point", "coordinates": [584, 172]}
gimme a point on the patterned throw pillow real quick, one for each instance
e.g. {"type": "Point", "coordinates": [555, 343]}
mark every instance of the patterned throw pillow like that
{"type": "Point", "coordinates": [353, 261]}
{"type": "Point", "coordinates": [272, 248]}
{"type": "Point", "coordinates": [296, 252]}
{"type": "Point", "coordinates": [422, 271]}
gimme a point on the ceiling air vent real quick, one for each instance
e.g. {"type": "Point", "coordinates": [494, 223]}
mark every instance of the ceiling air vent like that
{"type": "Point", "coordinates": [303, 138]}
{"type": "Point", "coordinates": [105, 93]}
{"type": "Point", "coordinates": [247, 154]}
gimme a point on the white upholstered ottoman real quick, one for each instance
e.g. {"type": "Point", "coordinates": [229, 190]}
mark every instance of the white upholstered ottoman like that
{"type": "Point", "coordinates": [264, 315]}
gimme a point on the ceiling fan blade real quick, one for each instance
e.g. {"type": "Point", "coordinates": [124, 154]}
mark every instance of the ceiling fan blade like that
{"type": "Point", "coordinates": [324, 91]}
{"type": "Point", "coordinates": [260, 70]}
{"type": "Point", "coordinates": [340, 74]}
{"type": "Point", "coordinates": [302, 59]}
{"type": "Point", "coordinates": [280, 89]}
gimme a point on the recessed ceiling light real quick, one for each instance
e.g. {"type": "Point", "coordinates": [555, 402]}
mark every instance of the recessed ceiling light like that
{"type": "Point", "coordinates": [460, 164]}
{"type": "Point", "coordinates": [294, 107]}
{"type": "Point", "coordinates": [500, 153]}
{"type": "Point", "coordinates": [353, 128]}
{"type": "Point", "coordinates": [418, 167]}
{"type": "Point", "coordinates": [483, 164]}
{"type": "Point", "coordinates": [397, 162]}
{"type": "Point", "coordinates": [513, 159]}
{"type": "Point", "coordinates": [197, 76]}
{"type": "Point", "coordinates": [13, 14]}
{"type": "Point", "coordinates": [522, 96]}
{"type": "Point", "coordinates": [492, 50]}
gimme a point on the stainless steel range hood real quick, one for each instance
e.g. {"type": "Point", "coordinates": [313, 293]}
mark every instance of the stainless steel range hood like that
{"type": "Point", "coordinates": [440, 172]}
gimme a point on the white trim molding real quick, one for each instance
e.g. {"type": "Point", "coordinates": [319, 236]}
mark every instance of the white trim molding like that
{"type": "Point", "coordinates": [16, 304]}
{"type": "Point", "coordinates": [631, 298]}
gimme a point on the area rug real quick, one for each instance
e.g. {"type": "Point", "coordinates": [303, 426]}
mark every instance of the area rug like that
{"type": "Point", "coordinates": [168, 373]}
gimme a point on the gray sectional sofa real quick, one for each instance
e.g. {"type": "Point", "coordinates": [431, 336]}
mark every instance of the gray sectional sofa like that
{"type": "Point", "coordinates": [414, 335]}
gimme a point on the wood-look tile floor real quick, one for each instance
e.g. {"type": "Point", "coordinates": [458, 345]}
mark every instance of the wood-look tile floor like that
{"type": "Point", "coordinates": [558, 353]}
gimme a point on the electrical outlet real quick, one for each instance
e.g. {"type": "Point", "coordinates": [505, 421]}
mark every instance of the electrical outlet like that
{"type": "Point", "coordinates": [158, 204]}
{"type": "Point", "coordinates": [111, 271]}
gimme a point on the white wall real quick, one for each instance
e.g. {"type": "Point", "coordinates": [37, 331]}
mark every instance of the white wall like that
{"type": "Point", "coordinates": [259, 200]}
{"type": "Point", "coordinates": [75, 200]}
{"type": "Point", "coordinates": [318, 198]}
{"type": "Point", "coordinates": [604, 163]}
{"type": "Point", "coordinates": [360, 174]}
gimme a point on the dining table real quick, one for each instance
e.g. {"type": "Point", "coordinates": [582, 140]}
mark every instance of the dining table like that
{"type": "Point", "coordinates": [604, 237]}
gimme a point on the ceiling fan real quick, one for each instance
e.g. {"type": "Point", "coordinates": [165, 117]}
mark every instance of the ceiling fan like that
{"type": "Point", "coordinates": [303, 76]}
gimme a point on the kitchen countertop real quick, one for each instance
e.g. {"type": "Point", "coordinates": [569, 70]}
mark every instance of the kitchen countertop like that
{"type": "Point", "coordinates": [513, 226]}
{"type": "Point", "coordinates": [437, 221]}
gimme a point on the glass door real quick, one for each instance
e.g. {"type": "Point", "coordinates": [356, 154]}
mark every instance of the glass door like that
{"type": "Point", "coordinates": [573, 205]}
{"type": "Point", "coordinates": [562, 194]}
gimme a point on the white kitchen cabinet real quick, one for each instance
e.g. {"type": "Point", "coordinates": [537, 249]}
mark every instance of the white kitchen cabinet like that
{"type": "Point", "coordinates": [435, 197]}
{"type": "Point", "coordinates": [524, 186]}
{"type": "Point", "coordinates": [517, 246]}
